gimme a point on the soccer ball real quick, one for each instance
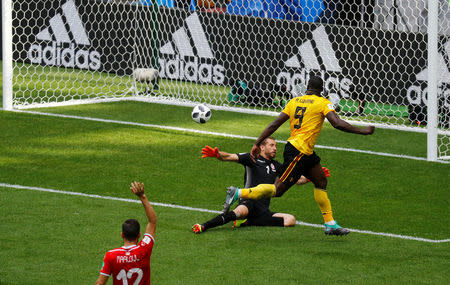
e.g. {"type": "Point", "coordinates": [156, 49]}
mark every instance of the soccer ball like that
{"type": "Point", "coordinates": [201, 114]}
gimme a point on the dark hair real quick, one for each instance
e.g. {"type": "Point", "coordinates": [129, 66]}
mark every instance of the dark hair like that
{"type": "Point", "coordinates": [266, 139]}
{"type": "Point", "coordinates": [315, 83]}
{"type": "Point", "coordinates": [131, 229]}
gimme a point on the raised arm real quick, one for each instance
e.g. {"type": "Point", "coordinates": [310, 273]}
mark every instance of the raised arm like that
{"type": "Point", "coordinates": [138, 189]}
{"type": "Point", "coordinates": [208, 151]}
{"type": "Point", "coordinates": [342, 125]}
{"type": "Point", "coordinates": [270, 129]}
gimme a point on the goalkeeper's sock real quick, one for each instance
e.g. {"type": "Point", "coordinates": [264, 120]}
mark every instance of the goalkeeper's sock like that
{"type": "Point", "coordinates": [220, 220]}
{"type": "Point", "coordinates": [324, 204]}
{"type": "Point", "coordinates": [258, 192]}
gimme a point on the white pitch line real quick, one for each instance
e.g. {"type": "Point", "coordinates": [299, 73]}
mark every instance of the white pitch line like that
{"type": "Point", "coordinates": [14, 186]}
{"type": "Point", "coordinates": [219, 134]}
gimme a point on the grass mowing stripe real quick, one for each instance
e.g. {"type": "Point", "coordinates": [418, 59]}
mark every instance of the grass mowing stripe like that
{"type": "Point", "coordinates": [14, 186]}
{"type": "Point", "coordinates": [220, 134]}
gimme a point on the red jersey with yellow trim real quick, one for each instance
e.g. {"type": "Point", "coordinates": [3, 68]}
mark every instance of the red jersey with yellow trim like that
{"type": "Point", "coordinates": [129, 264]}
{"type": "Point", "coordinates": [306, 114]}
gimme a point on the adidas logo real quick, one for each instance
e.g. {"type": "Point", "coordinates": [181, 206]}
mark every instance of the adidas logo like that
{"type": "Point", "coordinates": [416, 95]}
{"type": "Point", "coordinates": [64, 49]}
{"type": "Point", "coordinates": [309, 61]}
{"type": "Point", "coordinates": [176, 63]}
{"type": "Point", "coordinates": [307, 53]}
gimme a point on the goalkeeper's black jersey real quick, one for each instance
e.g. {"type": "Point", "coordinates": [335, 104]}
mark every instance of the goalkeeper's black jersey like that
{"type": "Point", "coordinates": [262, 171]}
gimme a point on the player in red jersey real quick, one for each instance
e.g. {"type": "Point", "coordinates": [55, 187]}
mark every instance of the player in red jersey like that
{"type": "Point", "coordinates": [130, 264]}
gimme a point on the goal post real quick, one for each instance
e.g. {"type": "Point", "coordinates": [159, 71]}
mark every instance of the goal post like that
{"type": "Point", "coordinates": [432, 135]}
{"type": "Point", "coordinates": [7, 55]}
{"type": "Point", "coordinates": [384, 62]}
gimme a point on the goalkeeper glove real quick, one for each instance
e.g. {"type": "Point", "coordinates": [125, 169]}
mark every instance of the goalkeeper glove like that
{"type": "Point", "coordinates": [208, 151]}
{"type": "Point", "coordinates": [326, 171]}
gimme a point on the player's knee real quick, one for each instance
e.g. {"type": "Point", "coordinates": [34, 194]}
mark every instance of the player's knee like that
{"type": "Point", "coordinates": [241, 211]}
{"type": "Point", "coordinates": [289, 221]}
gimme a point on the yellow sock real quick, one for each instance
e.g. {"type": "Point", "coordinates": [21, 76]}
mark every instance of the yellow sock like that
{"type": "Point", "coordinates": [324, 204]}
{"type": "Point", "coordinates": [258, 192]}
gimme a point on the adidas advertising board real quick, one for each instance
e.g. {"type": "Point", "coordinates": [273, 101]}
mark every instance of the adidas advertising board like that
{"type": "Point", "coordinates": [417, 92]}
{"type": "Point", "coordinates": [187, 55]}
{"type": "Point", "coordinates": [318, 56]}
{"type": "Point", "coordinates": [56, 47]}
{"type": "Point", "coordinates": [72, 34]}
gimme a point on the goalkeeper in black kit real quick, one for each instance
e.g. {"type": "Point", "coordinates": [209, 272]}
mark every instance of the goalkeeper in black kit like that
{"type": "Point", "coordinates": [251, 212]}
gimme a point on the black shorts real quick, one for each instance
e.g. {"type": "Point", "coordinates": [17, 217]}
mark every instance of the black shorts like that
{"type": "Point", "coordinates": [255, 209]}
{"type": "Point", "coordinates": [295, 165]}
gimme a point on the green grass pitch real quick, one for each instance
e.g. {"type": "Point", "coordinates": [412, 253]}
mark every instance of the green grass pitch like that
{"type": "Point", "coordinates": [51, 238]}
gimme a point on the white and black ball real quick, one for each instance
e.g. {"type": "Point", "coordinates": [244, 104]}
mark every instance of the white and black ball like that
{"type": "Point", "coordinates": [201, 114]}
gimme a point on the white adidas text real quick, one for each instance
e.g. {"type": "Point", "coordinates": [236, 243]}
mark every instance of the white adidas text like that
{"type": "Point", "coordinates": [191, 71]}
{"type": "Point", "coordinates": [55, 54]}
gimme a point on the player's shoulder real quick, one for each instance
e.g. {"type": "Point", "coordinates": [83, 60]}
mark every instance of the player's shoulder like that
{"type": "Point", "coordinates": [323, 102]}
{"type": "Point", "coordinates": [244, 158]}
{"type": "Point", "coordinates": [147, 239]}
{"type": "Point", "coordinates": [114, 252]}
{"type": "Point", "coordinates": [327, 103]}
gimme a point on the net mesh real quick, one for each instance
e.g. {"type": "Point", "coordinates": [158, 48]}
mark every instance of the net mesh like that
{"type": "Point", "coordinates": [249, 54]}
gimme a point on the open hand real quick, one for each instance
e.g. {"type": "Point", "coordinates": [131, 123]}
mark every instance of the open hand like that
{"type": "Point", "coordinates": [208, 151]}
{"type": "Point", "coordinates": [137, 188]}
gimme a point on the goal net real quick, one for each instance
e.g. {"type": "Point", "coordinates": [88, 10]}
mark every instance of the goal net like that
{"type": "Point", "coordinates": [242, 55]}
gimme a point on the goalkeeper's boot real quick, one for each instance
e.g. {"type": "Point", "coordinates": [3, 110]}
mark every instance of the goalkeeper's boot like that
{"type": "Point", "coordinates": [336, 230]}
{"type": "Point", "coordinates": [232, 196]}
{"type": "Point", "coordinates": [197, 229]}
{"type": "Point", "coordinates": [240, 223]}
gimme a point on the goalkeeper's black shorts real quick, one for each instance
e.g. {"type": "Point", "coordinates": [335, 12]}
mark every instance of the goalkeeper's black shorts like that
{"type": "Point", "coordinates": [257, 208]}
{"type": "Point", "coordinates": [295, 165]}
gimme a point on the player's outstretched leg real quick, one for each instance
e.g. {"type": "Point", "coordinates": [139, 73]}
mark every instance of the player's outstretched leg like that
{"type": "Point", "coordinates": [336, 230]}
{"type": "Point", "coordinates": [232, 196]}
{"type": "Point", "coordinates": [197, 229]}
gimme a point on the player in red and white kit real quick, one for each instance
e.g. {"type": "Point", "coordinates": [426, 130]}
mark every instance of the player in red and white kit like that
{"type": "Point", "coordinates": [130, 264]}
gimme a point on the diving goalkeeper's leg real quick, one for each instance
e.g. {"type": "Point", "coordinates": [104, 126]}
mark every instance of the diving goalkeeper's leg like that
{"type": "Point", "coordinates": [241, 212]}
{"type": "Point", "coordinates": [219, 220]}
